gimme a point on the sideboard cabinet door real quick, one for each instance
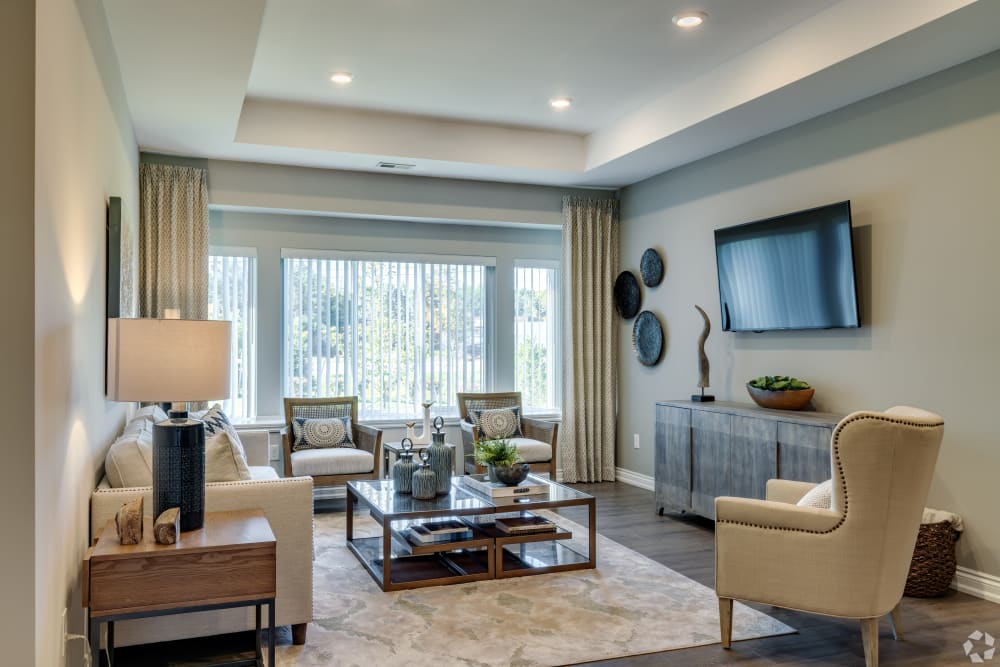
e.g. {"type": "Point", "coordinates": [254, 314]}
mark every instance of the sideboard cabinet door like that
{"type": "Point", "coordinates": [754, 456]}
{"type": "Point", "coordinates": [672, 468]}
{"type": "Point", "coordinates": [804, 452]}
{"type": "Point", "coordinates": [710, 446]}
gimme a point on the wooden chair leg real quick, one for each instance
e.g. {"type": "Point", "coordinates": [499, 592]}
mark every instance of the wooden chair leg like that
{"type": "Point", "coordinates": [896, 620]}
{"type": "Point", "coordinates": [869, 635]}
{"type": "Point", "coordinates": [299, 633]}
{"type": "Point", "coordinates": [726, 621]}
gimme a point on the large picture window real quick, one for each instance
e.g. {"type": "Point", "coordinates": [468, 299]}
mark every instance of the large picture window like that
{"type": "Point", "coordinates": [232, 295]}
{"type": "Point", "coordinates": [536, 334]}
{"type": "Point", "coordinates": [395, 331]}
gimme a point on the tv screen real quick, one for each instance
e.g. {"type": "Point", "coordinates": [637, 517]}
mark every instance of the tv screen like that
{"type": "Point", "coordinates": [794, 271]}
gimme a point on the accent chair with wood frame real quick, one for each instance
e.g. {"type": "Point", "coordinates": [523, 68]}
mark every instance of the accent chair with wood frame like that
{"type": "Point", "coordinates": [330, 466]}
{"type": "Point", "coordinates": [848, 561]}
{"type": "Point", "coordinates": [537, 446]}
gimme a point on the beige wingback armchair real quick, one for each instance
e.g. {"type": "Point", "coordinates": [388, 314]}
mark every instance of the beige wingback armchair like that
{"type": "Point", "coordinates": [848, 561]}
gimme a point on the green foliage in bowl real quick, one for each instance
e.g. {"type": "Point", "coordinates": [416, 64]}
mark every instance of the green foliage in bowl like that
{"type": "Point", "coordinates": [496, 453]}
{"type": "Point", "coordinates": [778, 383]}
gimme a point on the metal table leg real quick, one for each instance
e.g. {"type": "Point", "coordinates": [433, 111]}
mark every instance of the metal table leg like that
{"type": "Point", "coordinates": [111, 644]}
{"type": "Point", "coordinates": [259, 654]}
{"type": "Point", "coordinates": [270, 634]}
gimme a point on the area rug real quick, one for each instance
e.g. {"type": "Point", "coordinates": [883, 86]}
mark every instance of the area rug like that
{"type": "Point", "coordinates": [629, 605]}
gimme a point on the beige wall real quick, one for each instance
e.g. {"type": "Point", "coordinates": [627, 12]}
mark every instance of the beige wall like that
{"type": "Point", "coordinates": [280, 188]}
{"type": "Point", "coordinates": [85, 152]}
{"type": "Point", "coordinates": [920, 167]}
{"type": "Point", "coordinates": [17, 177]}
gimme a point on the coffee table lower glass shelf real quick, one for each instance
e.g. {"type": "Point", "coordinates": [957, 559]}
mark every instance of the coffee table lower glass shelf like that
{"type": "Point", "coordinates": [483, 551]}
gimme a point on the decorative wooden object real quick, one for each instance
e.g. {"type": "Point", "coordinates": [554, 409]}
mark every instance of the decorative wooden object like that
{"type": "Point", "coordinates": [128, 521]}
{"type": "Point", "coordinates": [703, 366]}
{"type": "Point", "coordinates": [705, 450]}
{"type": "Point", "coordinates": [167, 526]}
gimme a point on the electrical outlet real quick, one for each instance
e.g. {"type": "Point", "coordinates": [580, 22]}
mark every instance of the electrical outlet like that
{"type": "Point", "coordinates": [62, 634]}
{"type": "Point", "coordinates": [635, 440]}
{"type": "Point", "coordinates": [273, 452]}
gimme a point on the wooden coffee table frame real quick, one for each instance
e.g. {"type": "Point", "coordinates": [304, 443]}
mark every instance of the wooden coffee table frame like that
{"type": "Point", "coordinates": [484, 556]}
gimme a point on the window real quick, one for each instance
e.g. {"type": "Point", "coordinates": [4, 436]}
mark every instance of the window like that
{"type": "Point", "coordinates": [536, 334]}
{"type": "Point", "coordinates": [394, 330]}
{"type": "Point", "coordinates": [232, 295]}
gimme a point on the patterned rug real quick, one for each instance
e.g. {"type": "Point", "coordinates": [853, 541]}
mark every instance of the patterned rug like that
{"type": "Point", "coordinates": [629, 605]}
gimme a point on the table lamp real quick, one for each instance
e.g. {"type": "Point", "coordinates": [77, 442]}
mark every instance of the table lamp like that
{"type": "Point", "coordinates": [175, 361]}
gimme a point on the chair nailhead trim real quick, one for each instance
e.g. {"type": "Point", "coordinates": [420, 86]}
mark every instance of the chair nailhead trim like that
{"type": "Point", "coordinates": [840, 471]}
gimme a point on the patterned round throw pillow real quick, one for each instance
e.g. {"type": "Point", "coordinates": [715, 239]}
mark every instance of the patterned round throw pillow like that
{"type": "Point", "coordinates": [321, 433]}
{"type": "Point", "coordinates": [499, 423]}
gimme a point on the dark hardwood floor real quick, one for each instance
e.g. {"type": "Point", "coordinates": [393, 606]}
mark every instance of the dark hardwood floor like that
{"type": "Point", "coordinates": [935, 629]}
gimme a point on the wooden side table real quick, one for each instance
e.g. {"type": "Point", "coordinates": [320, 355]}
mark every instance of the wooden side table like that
{"type": "Point", "coordinates": [230, 562]}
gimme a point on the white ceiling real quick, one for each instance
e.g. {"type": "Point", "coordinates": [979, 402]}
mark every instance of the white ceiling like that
{"type": "Point", "coordinates": [460, 87]}
{"type": "Point", "coordinates": [500, 61]}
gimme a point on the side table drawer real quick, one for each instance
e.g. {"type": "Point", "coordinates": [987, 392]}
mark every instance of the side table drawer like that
{"type": "Point", "coordinates": [153, 581]}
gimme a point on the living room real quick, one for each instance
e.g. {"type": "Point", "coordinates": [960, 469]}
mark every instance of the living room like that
{"type": "Point", "coordinates": [902, 119]}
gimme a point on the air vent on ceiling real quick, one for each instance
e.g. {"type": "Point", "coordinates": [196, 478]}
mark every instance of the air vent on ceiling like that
{"type": "Point", "coordinates": [399, 166]}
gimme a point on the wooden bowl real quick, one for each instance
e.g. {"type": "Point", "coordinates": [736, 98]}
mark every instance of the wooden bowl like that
{"type": "Point", "coordinates": [789, 399]}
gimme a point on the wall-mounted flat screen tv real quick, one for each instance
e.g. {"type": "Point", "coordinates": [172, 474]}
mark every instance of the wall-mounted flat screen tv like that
{"type": "Point", "coordinates": [794, 271]}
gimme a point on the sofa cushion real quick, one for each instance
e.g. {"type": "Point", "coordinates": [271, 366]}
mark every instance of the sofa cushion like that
{"type": "Point", "coordinates": [322, 433]}
{"type": "Point", "coordinates": [258, 473]}
{"type": "Point", "coordinates": [224, 459]}
{"type": "Point", "coordinates": [498, 423]}
{"type": "Point", "coordinates": [129, 461]}
{"type": "Point", "coordinates": [820, 496]}
{"type": "Point", "coordinates": [332, 461]}
{"type": "Point", "coordinates": [532, 451]}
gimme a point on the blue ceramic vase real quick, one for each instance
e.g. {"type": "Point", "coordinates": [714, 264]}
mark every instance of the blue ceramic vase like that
{"type": "Point", "coordinates": [403, 469]}
{"type": "Point", "coordinates": [439, 458]}
{"type": "Point", "coordinates": [424, 480]}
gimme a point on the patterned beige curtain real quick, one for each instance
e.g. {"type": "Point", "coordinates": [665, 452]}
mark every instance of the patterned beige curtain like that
{"type": "Point", "coordinates": [173, 241]}
{"type": "Point", "coordinates": [590, 350]}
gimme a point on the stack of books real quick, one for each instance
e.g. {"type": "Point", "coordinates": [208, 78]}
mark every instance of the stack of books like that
{"type": "Point", "coordinates": [433, 532]}
{"type": "Point", "coordinates": [525, 525]}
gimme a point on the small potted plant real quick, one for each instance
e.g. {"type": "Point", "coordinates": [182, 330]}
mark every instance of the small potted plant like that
{"type": "Point", "coordinates": [502, 461]}
{"type": "Point", "coordinates": [780, 392]}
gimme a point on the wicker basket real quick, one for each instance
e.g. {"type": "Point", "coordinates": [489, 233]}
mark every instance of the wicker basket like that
{"type": "Point", "coordinates": [933, 566]}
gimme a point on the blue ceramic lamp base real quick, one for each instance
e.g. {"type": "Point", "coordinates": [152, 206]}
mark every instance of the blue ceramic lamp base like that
{"type": "Point", "coordinates": [179, 469]}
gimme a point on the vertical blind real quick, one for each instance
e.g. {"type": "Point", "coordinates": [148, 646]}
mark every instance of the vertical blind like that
{"type": "Point", "coordinates": [395, 333]}
{"type": "Point", "coordinates": [232, 292]}
{"type": "Point", "coordinates": [536, 336]}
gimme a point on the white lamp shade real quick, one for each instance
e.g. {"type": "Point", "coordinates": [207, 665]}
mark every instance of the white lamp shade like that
{"type": "Point", "coordinates": [168, 360]}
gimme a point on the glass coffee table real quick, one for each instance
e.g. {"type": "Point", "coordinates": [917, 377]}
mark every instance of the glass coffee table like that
{"type": "Point", "coordinates": [478, 550]}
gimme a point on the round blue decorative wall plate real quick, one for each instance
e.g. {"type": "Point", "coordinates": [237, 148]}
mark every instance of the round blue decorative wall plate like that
{"type": "Point", "coordinates": [647, 338]}
{"type": "Point", "coordinates": [627, 295]}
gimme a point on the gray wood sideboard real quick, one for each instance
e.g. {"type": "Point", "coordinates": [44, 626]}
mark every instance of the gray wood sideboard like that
{"type": "Point", "coordinates": [705, 450]}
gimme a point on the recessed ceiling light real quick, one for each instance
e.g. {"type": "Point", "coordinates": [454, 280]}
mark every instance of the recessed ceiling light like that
{"type": "Point", "coordinates": [690, 19]}
{"type": "Point", "coordinates": [342, 77]}
{"type": "Point", "coordinates": [560, 103]}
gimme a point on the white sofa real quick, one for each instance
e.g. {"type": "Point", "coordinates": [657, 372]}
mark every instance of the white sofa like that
{"type": "Point", "coordinates": [287, 503]}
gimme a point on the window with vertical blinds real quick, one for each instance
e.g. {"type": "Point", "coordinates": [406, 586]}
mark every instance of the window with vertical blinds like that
{"type": "Point", "coordinates": [395, 331]}
{"type": "Point", "coordinates": [536, 335]}
{"type": "Point", "coordinates": [232, 295]}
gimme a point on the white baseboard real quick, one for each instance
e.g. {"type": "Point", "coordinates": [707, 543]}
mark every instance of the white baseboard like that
{"type": "Point", "coordinates": [634, 479]}
{"type": "Point", "coordinates": [977, 584]}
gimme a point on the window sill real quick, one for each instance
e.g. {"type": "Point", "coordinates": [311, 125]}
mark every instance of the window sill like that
{"type": "Point", "coordinates": [273, 422]}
